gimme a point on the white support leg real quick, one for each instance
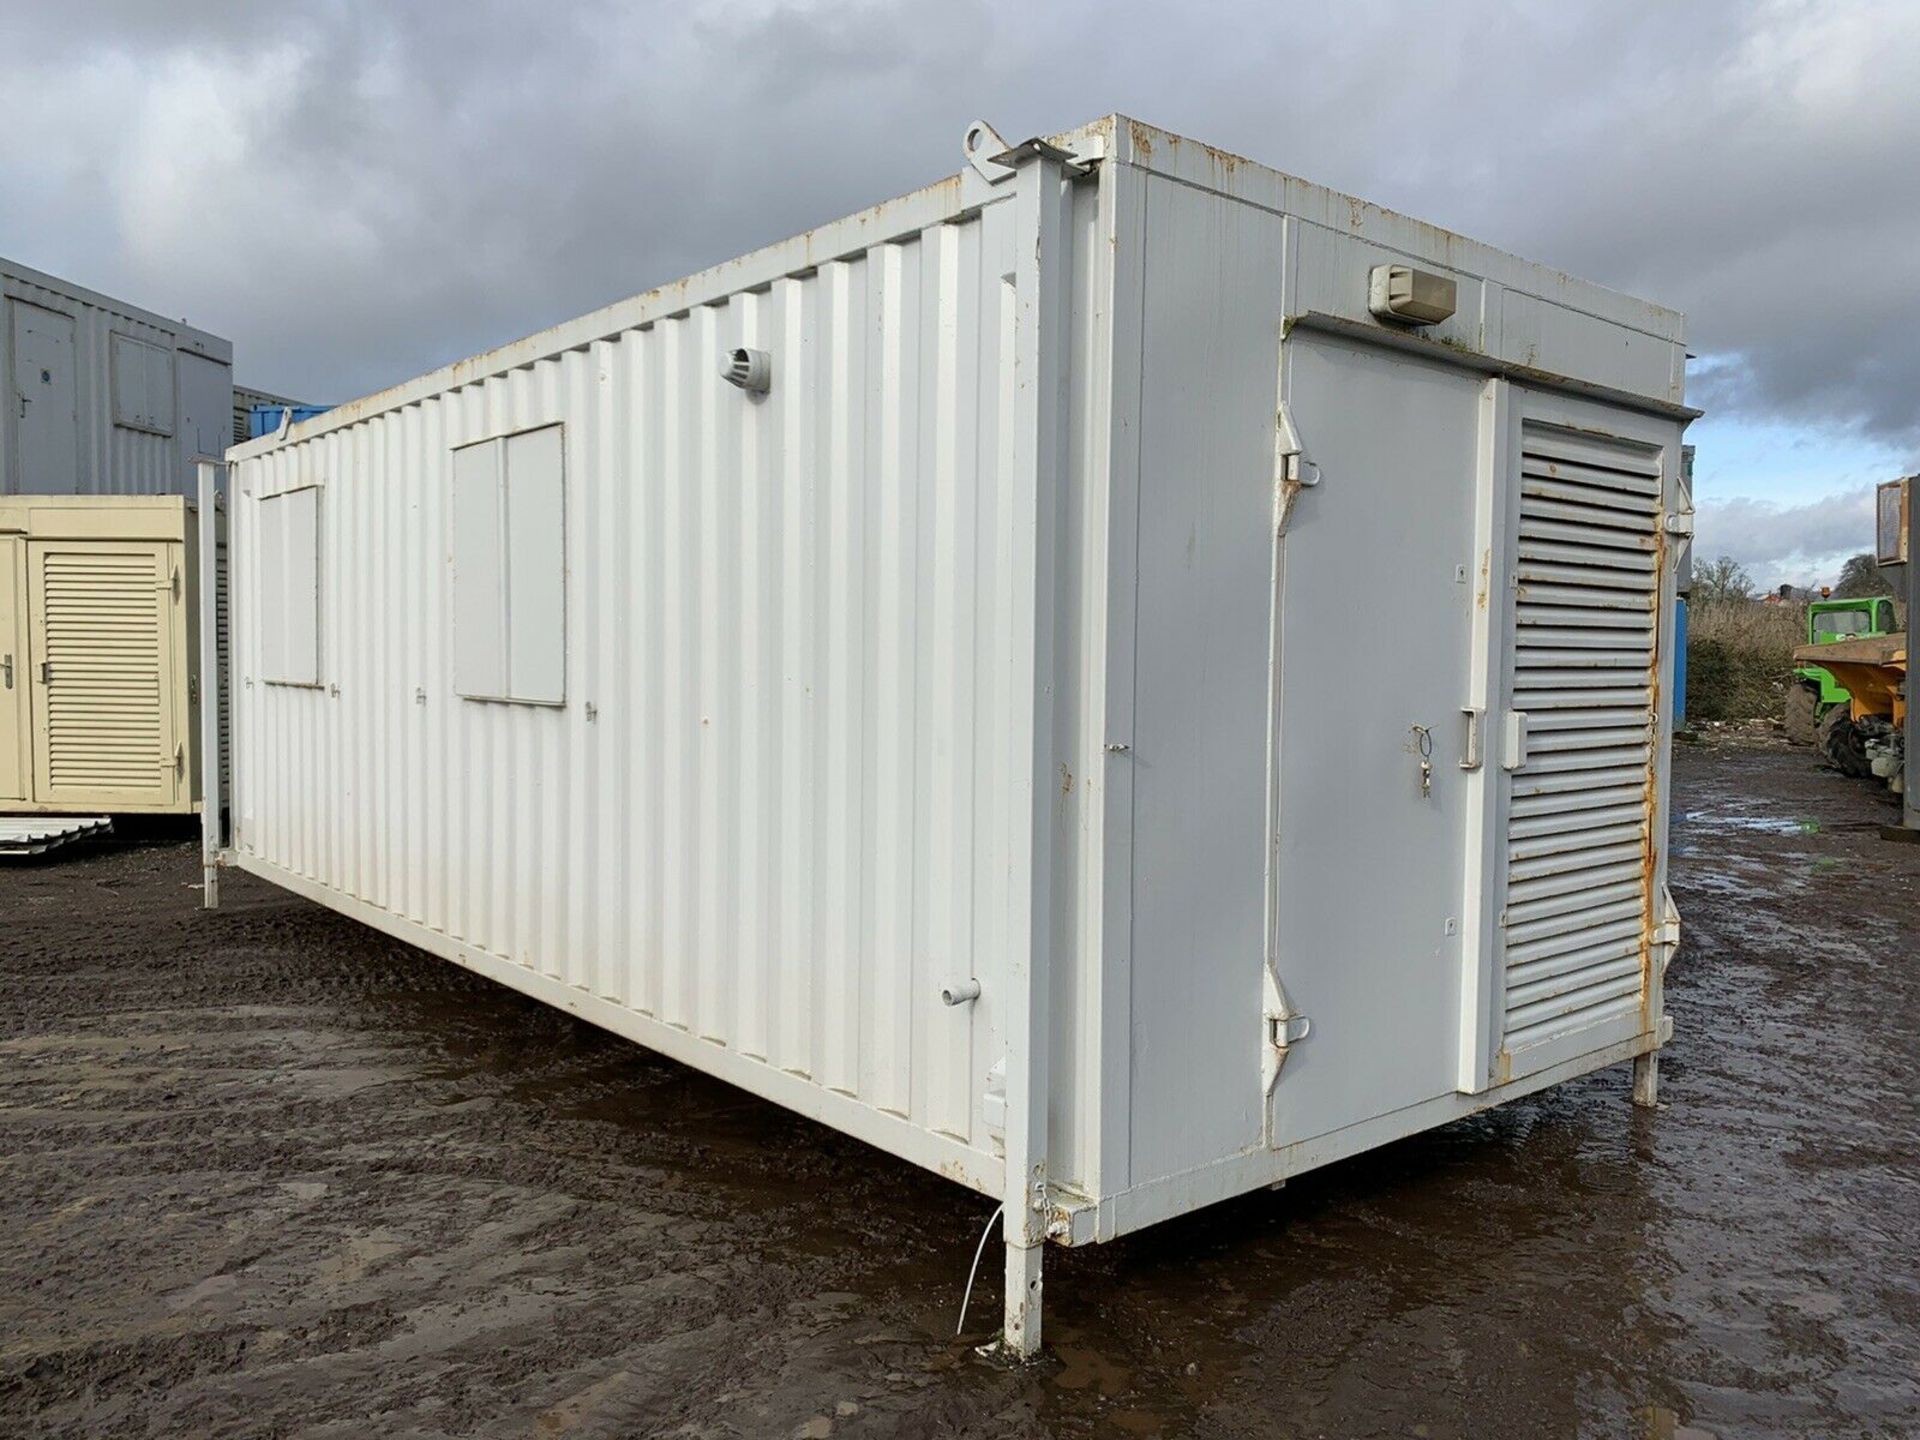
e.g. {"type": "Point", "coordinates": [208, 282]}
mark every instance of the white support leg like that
{"type": "Point", "coordinates": [213, 682]}
{"type": "Point", "coordinates": [1646, 1079]}
{"type": "Point", "coordinates": [1021, 1333]}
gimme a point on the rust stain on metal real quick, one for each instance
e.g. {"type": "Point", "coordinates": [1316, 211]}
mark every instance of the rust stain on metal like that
{"type": "Point", "coordinates": [1224, 161]}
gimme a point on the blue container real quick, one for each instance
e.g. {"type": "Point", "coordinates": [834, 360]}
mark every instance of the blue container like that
{"type": "Point", "coordinates": [1680, 662]}
{"type": "Point", "coordinates": [265, 419]}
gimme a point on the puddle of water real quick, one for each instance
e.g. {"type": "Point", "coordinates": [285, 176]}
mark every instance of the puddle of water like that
{"type": "Point", "coordinates": [1754, 824]}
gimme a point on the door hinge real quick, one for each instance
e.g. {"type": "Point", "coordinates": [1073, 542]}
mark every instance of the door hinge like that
{"type": "Point", "coordinates": [1284, 1027]}
{"type": "Point", "coordinates": [1680, 523]}
{"type": "Point", "coordinates": [1287, 1030]}
{"type": "Point", "coordinates": [46, 672]}
{"type": "Point", "coordinates": [1293, 471]}
{"type": "Point", "coordinates": [1284, 1031]}
{"type": "Point", "coordinates": [1472, 746]}
{"type": "Point", "coordinates": [6, 668]}
{"type": "Point", "coordinates": [1294, 466]}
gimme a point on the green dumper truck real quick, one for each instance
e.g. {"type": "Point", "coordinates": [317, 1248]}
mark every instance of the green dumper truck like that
{"type": "Point", "coordinates": [1814, 690]}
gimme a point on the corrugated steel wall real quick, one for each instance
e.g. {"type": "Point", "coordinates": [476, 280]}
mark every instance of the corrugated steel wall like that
{"type": "Point", "coordinates": [774, 811]}
{"type": "Point", "coordinates": [114, 460]}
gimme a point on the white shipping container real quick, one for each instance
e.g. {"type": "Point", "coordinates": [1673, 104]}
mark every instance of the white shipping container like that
{"type": "Point", "coordinates": [1143, 677]}
{"type": "Point", "coordinates": [103, 397]}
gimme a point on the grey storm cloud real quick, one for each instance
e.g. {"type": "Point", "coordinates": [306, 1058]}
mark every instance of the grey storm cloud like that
{"type": "Point", "coordinates": [1800, 544]}
{"type": "Point", "coordinates": [356, 191]}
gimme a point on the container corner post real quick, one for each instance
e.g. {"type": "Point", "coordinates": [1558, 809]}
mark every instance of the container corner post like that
{"type": "Point", "coordinates": [214, 683]}
{"type": "Point", "coordinates": [1646, 1080]}
{"type": "Point", "coordinates": [1042, 292]}
{"type": "Point", "coordinates": [1020, 1331]}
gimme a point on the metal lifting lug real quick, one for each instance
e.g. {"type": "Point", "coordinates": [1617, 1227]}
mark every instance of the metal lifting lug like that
{"type": "Point", "coordinates": [982, 146]}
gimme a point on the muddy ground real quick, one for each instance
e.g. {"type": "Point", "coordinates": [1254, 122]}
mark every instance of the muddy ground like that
{"type": "Point", "coordinates": [268, 1173]}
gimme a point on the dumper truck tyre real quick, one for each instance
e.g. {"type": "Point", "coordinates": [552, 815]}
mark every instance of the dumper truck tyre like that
{"type": "Point", "coordinates": [1843, 744]}
{"type": "Point", "coordinates": [1803, 714]}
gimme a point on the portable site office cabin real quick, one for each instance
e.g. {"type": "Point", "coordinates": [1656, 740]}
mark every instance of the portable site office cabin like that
{"type": "Point", "coordinates": [105, 398]}
{"type": "Point", "coordinates": [99, 658]}
{"type": "Point", "coordinates": [108, 408]}
{"type": "Point", "coordinates": [1146, 683]}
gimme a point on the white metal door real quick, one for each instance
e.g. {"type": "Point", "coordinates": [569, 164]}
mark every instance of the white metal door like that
{"type": "Point", "coordinates": [105, 673]}
{"type": "Point", "coordinates": [1577, 733]}
{"type": "Point", "coordinates": [13, 670]}
{"type": "Point", "coordinates": [1372, 638]}
{"type": "Point", "coordinates": [47, 426]}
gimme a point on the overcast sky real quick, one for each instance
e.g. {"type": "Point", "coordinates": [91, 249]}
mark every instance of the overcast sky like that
{"type": "Point", "coordinates": [355, 192]}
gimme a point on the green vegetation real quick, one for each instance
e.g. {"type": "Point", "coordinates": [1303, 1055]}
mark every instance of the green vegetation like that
{"type": "Point", "coordinates": [1740, 657]}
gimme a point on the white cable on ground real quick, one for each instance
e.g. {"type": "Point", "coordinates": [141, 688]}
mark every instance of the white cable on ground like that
{"type": "Point", "coordinates": [978, 1251]}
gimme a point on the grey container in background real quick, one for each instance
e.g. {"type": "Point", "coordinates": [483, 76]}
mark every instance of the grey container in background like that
{"type": "Point", "coordinates": [103, 397]}
{"type": "Point", "coordinates": [1120, 677]}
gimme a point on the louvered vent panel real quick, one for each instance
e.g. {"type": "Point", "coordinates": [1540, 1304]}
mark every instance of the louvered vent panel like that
{"type": "Point", "coordinates": [105, 647]}
{"type": "Point", "coordinates": [1578, 916]}
{"type": "Point", "coordinates": [223, 641]}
